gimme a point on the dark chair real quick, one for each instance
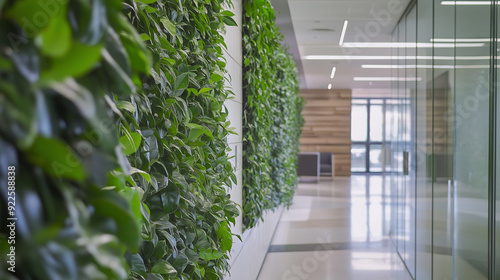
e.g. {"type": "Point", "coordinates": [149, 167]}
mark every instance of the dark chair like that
{"type": "Point", "coordinates": [327, 164]}
{"type": "Point", "coordinates": [308, 166]}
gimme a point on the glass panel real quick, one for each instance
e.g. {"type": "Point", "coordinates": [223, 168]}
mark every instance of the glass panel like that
{"type": "Point", "coordinates": [387, 157]}
{"type": "Point", "coordinates": [358, 158]}
{"type": "Point", "coordinates": [423, 153]}
{"type": "Point", "coordinates": [401, 190]}
{"type": "Point", "coordinates": [472, 148]}
{"type": "Point", "coordinates": [359, 101]}
{"type": "Point", "coordinates": [408, 141]}
{"type": "Point", "coordinates": [389, 123]}
{"type": "Point", "coordinates": [376, 122]}
{"type": "Point", "coordinates": [359, 123]}
{"type": "Point", "coordinates": [442, 136]}
{"type": "Point", "coordinates": [392, 113]}
{"type": "Point", "coordinates": [497, 131]}
{"type": "Point", "coordinates": [376, 158]}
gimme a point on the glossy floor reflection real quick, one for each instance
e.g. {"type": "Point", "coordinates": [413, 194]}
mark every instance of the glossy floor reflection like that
{"type": "Point", "coordinates": [335, 230]}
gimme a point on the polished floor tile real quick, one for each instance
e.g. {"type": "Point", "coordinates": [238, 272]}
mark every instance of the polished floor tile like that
{"type": "Point", "coordinates": [335, 230]}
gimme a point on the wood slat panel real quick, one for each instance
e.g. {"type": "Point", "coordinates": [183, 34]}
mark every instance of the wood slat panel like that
{"type": "Point", "coordinates": [327, 127]}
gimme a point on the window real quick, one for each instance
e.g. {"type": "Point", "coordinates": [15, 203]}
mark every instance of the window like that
{"type": "Point", "coordinates": [371, 134]}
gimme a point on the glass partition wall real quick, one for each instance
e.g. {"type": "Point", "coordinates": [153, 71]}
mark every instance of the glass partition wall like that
{"type": "Point", "coordinates": [442, 155]}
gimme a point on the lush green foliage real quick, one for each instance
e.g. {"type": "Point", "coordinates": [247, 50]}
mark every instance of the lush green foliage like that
{"type": "Point", "coordinates": [178, 122]}
{"type": "Point", "coordinates": [272, 114]}
{"type": "Point", "coordinates": [60, 64]}
{"type": "Point", "coordinates": [109, 131]}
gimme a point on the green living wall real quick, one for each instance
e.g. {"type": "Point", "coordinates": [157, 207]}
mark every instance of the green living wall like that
{"type": "Point", "coordinates": [61, 63]}
{"type": "Point", "coordinates": [113, 140]}
{"type": "Point", "coordinates": [272, 114]}
{"type": "Point", "coordinates": [178, 123]}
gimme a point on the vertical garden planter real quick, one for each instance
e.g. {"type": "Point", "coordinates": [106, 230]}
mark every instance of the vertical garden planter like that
{"type": "Point", "coordinates": [272, 114]}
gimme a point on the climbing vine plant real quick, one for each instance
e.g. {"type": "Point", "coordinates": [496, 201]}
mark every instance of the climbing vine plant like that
{"type": "Point", "coordinates": [272, 114]}
{"type": "Point", "coordinates": [176, 130]}
{"type": "Point", "coordinates": [114, 126]}
{"type": "Point", "coordinates": [61, 63]}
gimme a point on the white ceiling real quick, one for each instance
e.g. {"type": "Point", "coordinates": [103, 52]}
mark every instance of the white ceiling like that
{"type": "Point", "coordinates": [317, 27]}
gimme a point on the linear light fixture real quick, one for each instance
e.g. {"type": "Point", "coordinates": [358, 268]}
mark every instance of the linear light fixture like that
{"type": "Point", "coordinates": [466, 3]}
{"type": "Point", "coordinates": [388, 57]}
{"type": "Point", "coordinates": [332, 75]}
{"type": "Point", "coordinates": [342, 35]}
{"type": "Point", "coordinates": [329, 86]}
{"type": "Point", "coordinates": [461, 40]}
{"type": "Point", "coordinates": [410, 45]}
{"type": "Point", "coordinates": [389, 66]}
{"type": "Point", "coordinates": [385, 79]}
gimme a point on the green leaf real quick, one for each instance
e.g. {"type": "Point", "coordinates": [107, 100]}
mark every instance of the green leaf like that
{"type": "Point", "coordinates": [224, 233]}
{"type": "Point", "coordinates": [128, 229]}
{"type": "Point", "coordinates": [125, 105]}
{"type": "Point", "coordinates": [194, 134]}
{"type": "Point", "coordinates": [230, 21]}
{"type": "Point", "coordinates": [130, 142]}
{"type": "Point", "coordinates": [150, 9]}
{"type": "Point", "coordinates": [217, 76]}
{"type": "Point", "coordinates": [138, 265]}
{"type": "Point", "coordinates": [170, 200]}
{"type": "Point", "coordinates": [203, 90]}
{"type": "Point", "coordinates": [26, 11]}
{"type": "Point", "coordinates": [227, 13]}
{"type": "Point", "coordinates": [169, 26]}
{"type": "Point", "coordinates": [210, 254]}
{"type": "Point", "coordinates": [78, 61]}
{"type": "Point", "coordinates": [181, 82]}
{"type": "Point", "coordinates": [144, 174]}
{"type": "Point", "coordinates": [160, 249]}
{"type": "Point", "coordinates": [133, 197]}
{"type": "Point", "coordinates": [55, 158]}
{"type": "Point", "coordinates": [139, 59]}
{"type": "Point", "coordinates": [179, 179]}
{"type": "Point", "coordinates": [154, 276]}
{"type": "Point", "coordinates": [56, 38]}
{"type": "Point", "coordinates": [168, 61]}
{"type": "Point", "coordinates": [232, 210]}
{"type": "Point", "coordinates": [163, 267]}
{"type": "Point", "coordinates": [180, 262]}
{"type": "Point", "coordinates": [145, 37]}
{"type": "Point", "coordinates": [192, 255]}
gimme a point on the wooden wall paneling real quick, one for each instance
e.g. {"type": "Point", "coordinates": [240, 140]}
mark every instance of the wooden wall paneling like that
{"type": "Point", "coordinates": [327, 127]}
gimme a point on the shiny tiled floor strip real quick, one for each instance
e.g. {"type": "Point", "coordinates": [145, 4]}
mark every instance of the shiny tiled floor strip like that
{"type": "Point", "coordinates": [335, 230]}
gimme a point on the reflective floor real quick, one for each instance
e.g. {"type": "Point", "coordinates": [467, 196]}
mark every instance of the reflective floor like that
{"type": "Point", "coordinates": [335, 230]}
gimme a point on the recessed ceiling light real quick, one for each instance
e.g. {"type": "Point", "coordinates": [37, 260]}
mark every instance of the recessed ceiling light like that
{"type": "Point", "coordinates": [322, 30]}
{"type": "Point", "coordinates": [461, 40]}
{"type": "Point", "coordinates": [410, 45]}
{"type": "Point", "coordinates": [344, 29]}
{"type": "Point", "coordinates": [385, 79]}
{"type": "Point", "coordinates": [466, 3]}
{"type": "Point", "coordinates": [388, 57]}
{"type": "Point", "coordinates": [421, 66]}
{"type": "Point", "coordinates": [332, 75]}
{"type": "Point", "coordinates": [329, 86]}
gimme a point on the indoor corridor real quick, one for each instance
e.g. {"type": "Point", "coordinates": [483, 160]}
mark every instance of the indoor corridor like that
{"type": "Point", "coordinates": [335, 230]}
